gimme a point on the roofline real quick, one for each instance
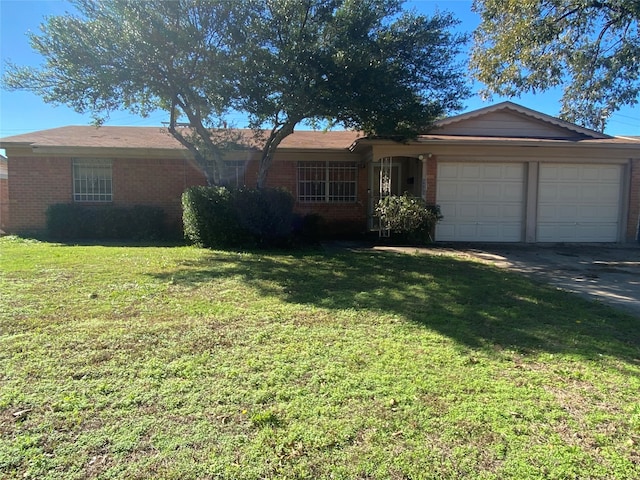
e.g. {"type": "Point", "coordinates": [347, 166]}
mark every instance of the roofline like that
{"type": "Point", "coordinates": [524, 111]}
{"type": "Point", "coordinates": [69, 150]}
{"type": "Point", "coordinates": [45, 146]}
{"type": "Point", "coordinates": [515, 142]}
{"type": "Point", "coordinates": [530, 143]}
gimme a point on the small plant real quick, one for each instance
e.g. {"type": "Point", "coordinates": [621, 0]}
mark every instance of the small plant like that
{"type": "Point", "coordinates": [408, 218]}
{"type": "Point", "coordinates": [265, 419]}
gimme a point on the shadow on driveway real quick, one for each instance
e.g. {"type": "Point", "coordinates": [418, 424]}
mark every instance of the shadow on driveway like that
{"type": "Point", "coordinates": [606, 273]}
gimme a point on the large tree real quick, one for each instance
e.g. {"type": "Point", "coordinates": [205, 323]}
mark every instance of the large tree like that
{"type": "Point", "coordinates": [139, 56]}
{"type": "Point", "coordinates": [591, 48]}
{"type": "Point", "coordinates": [363, 64]}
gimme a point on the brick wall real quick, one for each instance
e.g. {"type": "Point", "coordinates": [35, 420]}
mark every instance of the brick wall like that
{"type": "Point", "coordinates": [633, 222]}
{"type": "Point", "coordinates": [155, 182]}
{"type": "Point", "coordinates": [339, 218]}
{"type": "Point", "coordinates": [34, 184]}
{"type": "Point", "coordinates": [4, 195]}
{"type": "Point", "coordinates": [4, 204]}
{"type": "Point", "coordinates": [37, 182]}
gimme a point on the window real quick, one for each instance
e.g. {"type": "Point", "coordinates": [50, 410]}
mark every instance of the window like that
{"type": "Point", "coordinates": [334, 182]}
{"type": "Point", "coordinates": [92, 180]}
{"type": "Point", "coordinates": [232, 174]}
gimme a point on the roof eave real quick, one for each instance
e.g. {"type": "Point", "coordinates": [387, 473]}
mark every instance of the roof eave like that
{"type": "Point", "coordinates": [135, 152]}
{"type": "Point", "coordinates": [523, 142]}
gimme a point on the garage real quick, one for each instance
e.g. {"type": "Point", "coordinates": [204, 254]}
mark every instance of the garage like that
{"type": "Point", "coordinates": [481, 202]}
{"type": "Point", "coordinates": [509, 174]}
{"type": "Point", "coordinates": [579, 203]}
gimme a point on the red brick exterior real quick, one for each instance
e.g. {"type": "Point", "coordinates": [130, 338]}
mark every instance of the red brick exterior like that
{"type": "Point", "coordinates": [4, 204]}
{"type": "Point", "coordinates": [37, 182]}
{"type": "Point", "coordinates": [339, 218]}
{"type": "Point", "coordinates": [155, 182]}
{"type": "Point", "coordinates": [4, 196]}
{"type": "Point", "coordinates": [42, 181]}
{"type": "Point", "coordinates": [633, 223]}
{"type": "Point", "coordinates": [34, 184]}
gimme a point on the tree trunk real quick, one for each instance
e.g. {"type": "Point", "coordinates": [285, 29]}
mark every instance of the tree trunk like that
{"type": "Point", "coordinates": [207, 157]}
{"type": "Point", "coordinates": [269, 150]}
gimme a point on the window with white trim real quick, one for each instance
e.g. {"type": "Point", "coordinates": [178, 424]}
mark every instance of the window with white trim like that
{"type": "Point", "coordinates": [232, 174]}
{"type": "Point", "coordinates": [92, 180]}
{"type": "Point", "coordinates": [330, 182]}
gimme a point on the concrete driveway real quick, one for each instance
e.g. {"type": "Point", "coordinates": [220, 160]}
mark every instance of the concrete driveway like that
{"type": "Point", "coordinates": [606, 273]}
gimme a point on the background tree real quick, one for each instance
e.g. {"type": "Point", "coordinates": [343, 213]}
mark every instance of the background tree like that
{"type": "Point", "coordinates": [590, 47]}
{"type": "Point", "coordinates": [362, 64]}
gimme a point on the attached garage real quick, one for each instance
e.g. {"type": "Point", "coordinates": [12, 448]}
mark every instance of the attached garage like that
{"type": "Point", "coordinates": [481, 202]}
{"type": "Point", "coordinates": [579, 203]}
{"type": "Point", "coordinates": [509, 174]}
{"type": "Point", "coordinates": [487, 202]}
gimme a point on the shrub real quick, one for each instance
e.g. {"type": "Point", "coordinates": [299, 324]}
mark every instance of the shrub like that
{"type": "Point", "coordinates": [408, 217]}
{"type": "Point", "coordinates": [266, 214]}
{"type": "Point", "coordinates": [218, 217]}
{"type": "Point", "coordinates": [104, 222]}
{"type": "Point", "coordinates": [209, 219]}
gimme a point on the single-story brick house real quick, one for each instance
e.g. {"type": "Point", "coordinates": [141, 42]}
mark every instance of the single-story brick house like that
{"type": "Point", "coordinates": [503, 173]}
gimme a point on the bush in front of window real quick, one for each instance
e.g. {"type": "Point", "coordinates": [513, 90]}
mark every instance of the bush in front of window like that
{"type": "Point", "coordinates": [104, 222]}
{"type": "Point", "coordinates": [218, 217]}
{"type": "Point", "coordinates": [408, 218]}
{"type": "Point", "coordinates": [209, 219]}
{"type": "Point", "coordinates": [265, 214]}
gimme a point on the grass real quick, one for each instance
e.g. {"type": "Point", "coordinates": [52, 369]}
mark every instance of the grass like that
{"type": "Point", "coordinates": [151, 362]}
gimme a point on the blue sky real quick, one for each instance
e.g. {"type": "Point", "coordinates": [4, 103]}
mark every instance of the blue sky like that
{"type": "Point", "coordinates": [22, 112]}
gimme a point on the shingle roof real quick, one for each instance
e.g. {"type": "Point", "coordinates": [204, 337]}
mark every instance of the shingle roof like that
{"type": "Point", "coordinates": [159, 138]}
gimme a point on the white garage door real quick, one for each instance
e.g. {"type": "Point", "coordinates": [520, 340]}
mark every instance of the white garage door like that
{"type": "Point", "coordinates": [579, 203]}
{"type": "Point", "coordinates": [480, 202]}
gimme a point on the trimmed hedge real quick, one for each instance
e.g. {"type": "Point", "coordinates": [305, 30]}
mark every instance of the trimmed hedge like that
{"type": "Point", "coordinates": [218, 217]}
{"type": "Point", "coordinates": [209, 219]}
{"type": "Point", "coordinates": [104, 222]}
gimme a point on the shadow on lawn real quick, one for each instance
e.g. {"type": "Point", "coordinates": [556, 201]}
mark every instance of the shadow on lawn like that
{"type": "Point", "coordinates": [477, 305]}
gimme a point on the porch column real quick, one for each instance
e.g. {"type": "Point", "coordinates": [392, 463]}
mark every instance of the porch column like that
{"type": "Point", "coordinates": [423, 190]}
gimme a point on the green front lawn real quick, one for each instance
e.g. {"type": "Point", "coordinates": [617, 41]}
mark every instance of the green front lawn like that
{"type": "Point", "coordinates": [183, 363]}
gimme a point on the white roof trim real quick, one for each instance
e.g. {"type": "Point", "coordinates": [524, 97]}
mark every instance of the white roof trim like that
{"type": "Point", "coordinates": [633, 139]}
{"type": "Point", "coordinates": [524, 111]}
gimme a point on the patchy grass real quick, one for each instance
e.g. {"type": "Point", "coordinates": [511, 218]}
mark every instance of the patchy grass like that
{"type": "Point", "coordinates": [125, 362]}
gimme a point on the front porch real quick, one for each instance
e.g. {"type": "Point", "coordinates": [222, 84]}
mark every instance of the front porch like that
{"type": "Point", "coordinates": [395, 176]}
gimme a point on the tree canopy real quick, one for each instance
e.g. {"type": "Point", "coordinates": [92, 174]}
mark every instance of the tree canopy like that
{"type": "Point", "coordinates": [590, 48]}
{"type": "Point", "coordinates": [365, 65]}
